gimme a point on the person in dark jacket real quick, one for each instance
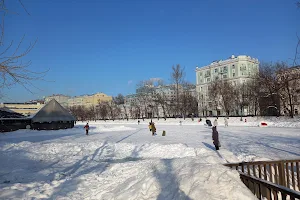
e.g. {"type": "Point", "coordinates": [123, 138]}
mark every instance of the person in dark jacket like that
{"type": "Point", "coordinates": [87, 127]}
{"type": "Point", "coordinates": [215, 137]}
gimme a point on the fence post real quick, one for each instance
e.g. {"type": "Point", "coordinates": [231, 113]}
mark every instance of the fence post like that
{"type": "Point", "coordinates": [281, 173]}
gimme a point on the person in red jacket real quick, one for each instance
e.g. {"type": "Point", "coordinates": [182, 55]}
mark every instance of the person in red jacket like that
{"type": "Point", "coordinates": [87, 127]}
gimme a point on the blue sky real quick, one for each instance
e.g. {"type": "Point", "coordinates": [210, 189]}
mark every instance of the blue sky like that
{"type": "Point", "coordinates": [110, 45]}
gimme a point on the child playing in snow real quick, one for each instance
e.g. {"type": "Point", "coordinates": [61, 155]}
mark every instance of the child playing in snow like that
{"type": "Point", "coordinates": [153, 128]}
{"type": "Point", "coordinates": [216, 122]}
{"type": "Point", "coordinates": [225, 121]}
{"type": "Point", "coordinates": [149, 126]}
{"type": "Point", "coordinates": [87, 127]}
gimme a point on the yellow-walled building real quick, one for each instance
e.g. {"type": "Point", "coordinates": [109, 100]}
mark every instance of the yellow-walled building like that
{"type": "Point", "coordinates": [88, 100]}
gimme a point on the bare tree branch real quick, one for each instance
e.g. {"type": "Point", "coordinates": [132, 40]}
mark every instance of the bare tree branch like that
{"type": "Point", "coordinates": [24, 7]}
{"type": "Point", "coordinates": [177, 77]}
{"type": "Point", "coordinates": [296, 52]}
{"type": "Point", "coordinates": [12, 69]}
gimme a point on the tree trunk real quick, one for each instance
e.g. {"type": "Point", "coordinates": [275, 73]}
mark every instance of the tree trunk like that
{"type": "Point", "coordinates": [291, 106]}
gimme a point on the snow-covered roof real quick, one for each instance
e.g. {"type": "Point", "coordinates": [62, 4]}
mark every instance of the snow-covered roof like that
{"type": "Point", "coordinates": [52, 112]}
{"type": "Point", "coordinates": [7, 113]}
{"type": "Point", "coordinates": [5, 109]}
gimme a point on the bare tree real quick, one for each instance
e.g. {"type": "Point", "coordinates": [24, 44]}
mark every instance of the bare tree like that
{"type": "Point", "coordinates": [254, 93]}
{"type": "Point", "coordinates": [226, 92]}
{"type": "Point", "coordinates": [91, 113]}
{"type": "Point", "coordinates": [214, 94]}
{"type": "Point", "coordinates": [267, 79]}
{"type": "Point", "coordinates": [79, 112]}
{"type": "Point", "coordinates": [12, 69]}
{"type": "Point", "coordinates": [203, 105]}
{"type": "Point", "coordinates": [297, 52]}
{"type": "Point", "coordinates": [102, 108]}
{"type": "Point", "coordinates": [120, 100]}
{"type": "Point", "coordinates": [280, 80]}
{"type": "Point", "coordinates": [188, 103]}
{"type": "Point", "coordinates": [113, 110]}
{"type": "Point", "coordinates": [288, 80]}
{"type": "Point", "coordinates": [161, 101]}
{"type": "Point", "coordinates": [177, 78]}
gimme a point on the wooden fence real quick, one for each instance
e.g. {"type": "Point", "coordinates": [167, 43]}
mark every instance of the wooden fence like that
{"type": "Point", "coordinates": [265, 189]}
{"type": "Point", "coordinates": [282, 172]}
{"type": "Point", "coordinates": [271, 179]}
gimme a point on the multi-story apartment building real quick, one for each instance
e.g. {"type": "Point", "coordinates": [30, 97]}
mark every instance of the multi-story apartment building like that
{"type": "Point", "coordinates": [84, 100]}
{"type": "Point", "coordinates": [235, 69]}
{"type": "Point", "coordinates": [23, 108]}
{"type": "Point", "coordinates": [88, 100]}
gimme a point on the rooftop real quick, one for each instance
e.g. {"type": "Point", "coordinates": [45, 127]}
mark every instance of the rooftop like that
{"type": "Point", "coordinates": [233, 58]}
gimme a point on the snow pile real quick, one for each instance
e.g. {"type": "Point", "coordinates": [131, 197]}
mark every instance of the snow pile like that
{"type": "Point", "coordinates": [115, 171]}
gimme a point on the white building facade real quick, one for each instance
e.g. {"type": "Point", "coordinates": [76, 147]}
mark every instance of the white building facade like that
{"type": "Point", "coordinates": [237, 70]}
{"type": "Point", "coordinates": [60, 98]}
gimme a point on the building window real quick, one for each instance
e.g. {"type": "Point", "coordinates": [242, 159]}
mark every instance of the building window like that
{"type": "Point", "coordinates": [225, 76]}
{"type": "Point", "coordinates": [243, 67]}
{"type": "Point", "coordinates": [216, 70]}
{"type": "Point", "coordinates": [233, 66]}
{"type": "Point", "coordinates": [233, 74]}
{"type": "Point", "coordinates": [225, 69]}
{"type": "Point", "coordinates": [208, 79]}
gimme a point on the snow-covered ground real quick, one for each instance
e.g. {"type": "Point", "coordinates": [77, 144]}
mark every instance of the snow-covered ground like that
{"type": "Point", "coordinates": [124, 161]}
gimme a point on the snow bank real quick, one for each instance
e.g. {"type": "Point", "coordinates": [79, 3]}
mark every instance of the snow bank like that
{"type": "Point", "coordinates": [102, 170]}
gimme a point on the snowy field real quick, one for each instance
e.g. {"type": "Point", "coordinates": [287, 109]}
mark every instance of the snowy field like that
{"type": "Point", "coordinates": [124, 161]}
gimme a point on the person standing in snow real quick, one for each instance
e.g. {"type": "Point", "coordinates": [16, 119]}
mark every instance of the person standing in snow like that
{"type": "Point", "coordinates": [225, 122]}
{"type": "Point", "coordinates": [215, 137]}
{"type": "Point", "coordinates": [153, 129]}
{"type": "Point", "coordinates": [150, 123]}
{"type": "Point", "coordinates": [87, 127]}
{"type": "Point", "coordinates": [216, 123]}
{"type": "Point", "coordinates": [138, 121]}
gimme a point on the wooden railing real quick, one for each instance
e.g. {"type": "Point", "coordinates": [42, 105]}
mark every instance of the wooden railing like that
{"type": "Point", "coordinates": [282, 172]}
{"type": "Point", "coordinates": [271, 179]}
{"type": "Point", "coordinates": [265, 189]}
